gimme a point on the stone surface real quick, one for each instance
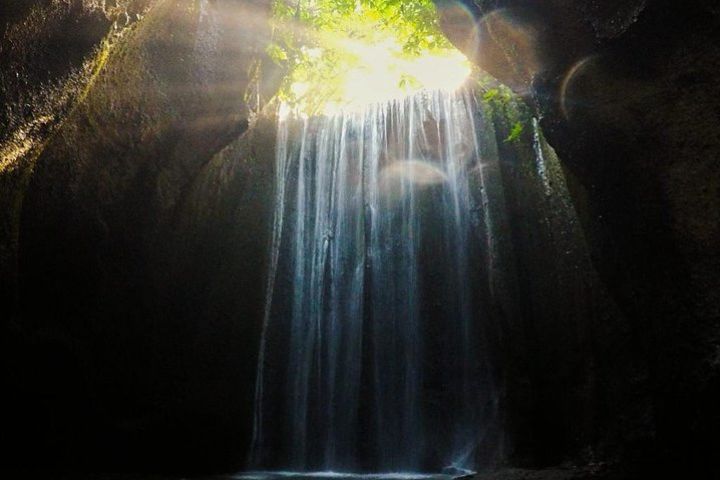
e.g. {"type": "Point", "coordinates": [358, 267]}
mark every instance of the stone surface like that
{"type": "Point", "coordinates": [140, 246]}
{"type": "Point", "coordinates": [628, 95]}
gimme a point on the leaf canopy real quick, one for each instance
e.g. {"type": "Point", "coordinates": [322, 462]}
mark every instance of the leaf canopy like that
{"type": "Point", "coordinates": [317, 42]}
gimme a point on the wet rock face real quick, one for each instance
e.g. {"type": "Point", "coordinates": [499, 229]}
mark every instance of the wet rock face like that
{"type": "Point", "coordinates": [140, 251]}
{"type": "Point", "coordinates": [628, 95]}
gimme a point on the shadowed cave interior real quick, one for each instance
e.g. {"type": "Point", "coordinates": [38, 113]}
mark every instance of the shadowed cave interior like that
{"type": "Point", "coordinates": [360, 239]}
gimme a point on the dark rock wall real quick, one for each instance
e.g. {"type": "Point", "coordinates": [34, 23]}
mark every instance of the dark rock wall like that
{"type": "Point", "coordinates": [50, 52]}
{"type": "Point", "coordinates": [628, 95]}
{"type": "Point", "coordinates": [550, 305]}
{"type": "Point", "coordinates": [142, 242]}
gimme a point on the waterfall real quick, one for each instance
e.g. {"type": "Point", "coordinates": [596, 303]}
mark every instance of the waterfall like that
{"type": "Point", "coordinates": [370, 356]}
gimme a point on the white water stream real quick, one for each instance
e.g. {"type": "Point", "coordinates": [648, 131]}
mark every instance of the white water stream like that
{"type": "Point", "coordinates": [369, 357]}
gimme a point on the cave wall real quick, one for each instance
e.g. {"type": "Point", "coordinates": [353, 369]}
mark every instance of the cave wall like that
{"type": "Point", "coordinates": [50, 53]}
{"type": "Point", "coordinates": [549, 305]}
{"type": "Point", "coordinates": [142, 227]}
{"type": "Point", "coordinates": [627, 94]}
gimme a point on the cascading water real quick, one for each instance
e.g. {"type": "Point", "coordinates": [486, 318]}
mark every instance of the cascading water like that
{"type": "Point", "coordinates": [371, 352]}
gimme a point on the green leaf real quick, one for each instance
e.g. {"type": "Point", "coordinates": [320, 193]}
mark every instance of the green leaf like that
{"type": "Point", "coordinates": [515, 132]}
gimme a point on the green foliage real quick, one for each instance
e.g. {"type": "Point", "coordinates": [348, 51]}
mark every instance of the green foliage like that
{"type": "Point", "coordinates": [496, 95]}
{"type": "Point", "coordinates": [413, 23]}
{"type": "Point", "coordinates": [491, 95]}
{"type": "Point", "coordinates": [313, 41]}
{"type": "Point", "coordinates": [505, 106]}
{"type": "Point", "coordinates": [515, 132]}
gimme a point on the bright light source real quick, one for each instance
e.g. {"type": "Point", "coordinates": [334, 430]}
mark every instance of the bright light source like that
{"type": "Point", "coordinates": [383, 72]}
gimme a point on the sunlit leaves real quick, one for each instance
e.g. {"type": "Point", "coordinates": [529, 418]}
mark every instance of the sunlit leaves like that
{"type": "Point", "coordinates": [316, 42]}
{"type": "Point", "coordinates": [515, 132]}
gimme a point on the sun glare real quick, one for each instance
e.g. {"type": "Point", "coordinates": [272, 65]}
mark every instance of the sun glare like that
{"type": "Point", "coordinates": [382, 73]}
{"type": "Point", "coordinates": [344, 62]}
